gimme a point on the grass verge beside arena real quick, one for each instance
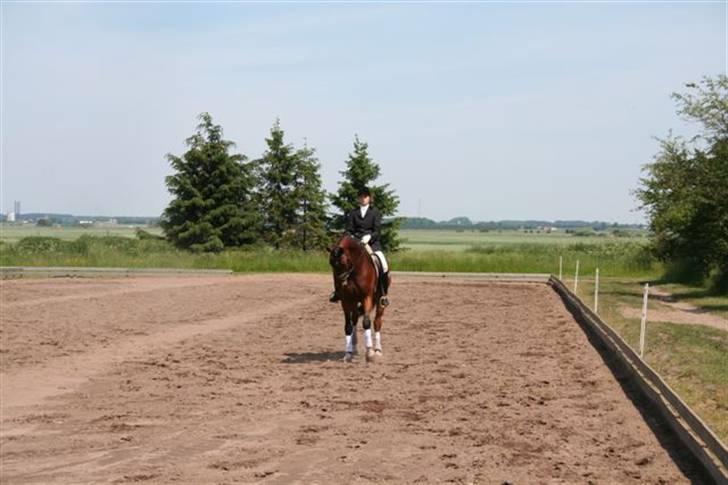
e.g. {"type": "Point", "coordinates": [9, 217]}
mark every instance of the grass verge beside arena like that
{"type": "Point", "coordinates": [693, 359]}
{"type": "Point", "coordinates": [613, 258]}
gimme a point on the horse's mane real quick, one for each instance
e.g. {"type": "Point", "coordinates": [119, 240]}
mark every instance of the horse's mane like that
{"type": "Point", "coordinates": [350, 243]}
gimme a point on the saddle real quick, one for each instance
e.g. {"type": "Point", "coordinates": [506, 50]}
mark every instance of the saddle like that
{"type": "Point", "coordinates": [381, 282]}
{"type": "Point", "coordinates": [378, 266]}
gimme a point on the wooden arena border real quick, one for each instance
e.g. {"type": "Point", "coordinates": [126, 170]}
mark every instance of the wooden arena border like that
{"type": "Point", "coordinates": [697, 437]}
{"type": "Point", "coordinates": [7, 272]}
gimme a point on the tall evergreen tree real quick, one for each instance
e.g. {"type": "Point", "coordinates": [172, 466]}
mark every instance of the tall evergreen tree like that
{"type": "Point", "coordinates": [212, 206]}
{"type": "Point", "coordinates": [311, 227]}
{"type": "Point", "coordinates": [278, 194]}
{"type": "Point", "coordinates": [362, 171]}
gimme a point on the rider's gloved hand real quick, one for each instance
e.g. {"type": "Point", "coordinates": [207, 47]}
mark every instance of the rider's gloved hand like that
{"type": "Point", "coordinates": [366, 238]}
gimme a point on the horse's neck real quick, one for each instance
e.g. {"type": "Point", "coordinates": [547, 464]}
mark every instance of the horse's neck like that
{"type": "Point", "coordinates": [356, 251]}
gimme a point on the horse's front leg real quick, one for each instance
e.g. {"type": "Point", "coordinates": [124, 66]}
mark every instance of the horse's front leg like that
{"type": "Point", "coordinates": [349, 335]}
{"type": "Point", "coordinates": [354, 335]}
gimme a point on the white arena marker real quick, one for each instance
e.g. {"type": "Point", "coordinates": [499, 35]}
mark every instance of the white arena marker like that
{"type": "Point", "coordinates": [643, 324]}
{"type": "Point", "coordinates": [576, 277]}
{"type": "Point", "coordinates": [561, 267]}
{"type": "Point", "coordinates": [596, 293]}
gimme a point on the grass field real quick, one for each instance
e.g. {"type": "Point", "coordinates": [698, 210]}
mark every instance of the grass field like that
{"type": "Point", "coordinates": [693, 359]}
{"type": "Point", "coordinates": [412, 239]}
{"type": "Point", "coordinates": [460, 241]}
{"type": "Point", "coordinates": [445, 251]}
{"type": "Point", "coordinates": [14, 233]}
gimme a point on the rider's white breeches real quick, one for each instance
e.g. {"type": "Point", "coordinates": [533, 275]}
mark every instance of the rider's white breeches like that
{"type": "Point", "coordinates": [385, 265]}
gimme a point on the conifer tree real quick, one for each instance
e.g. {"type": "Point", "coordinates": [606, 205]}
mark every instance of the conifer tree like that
{"type": "Point", "coordinates": [213, 207]}
{"type": "Point", "coordinates": [278, 190]}
{"type": "Point", "coordinates": [311, 227]}
{"type": "Point", "coordinates": [361, 171]}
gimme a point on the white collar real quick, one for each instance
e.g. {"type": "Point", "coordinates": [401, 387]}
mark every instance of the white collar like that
{"type": "Point", "coordinates": [363, 209]}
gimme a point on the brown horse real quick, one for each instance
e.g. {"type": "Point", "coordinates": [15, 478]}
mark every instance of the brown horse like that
{"type": "Point", "coordinates": [355, 281]}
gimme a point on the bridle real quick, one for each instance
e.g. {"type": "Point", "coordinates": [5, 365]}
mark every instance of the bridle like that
{"type": "Point", "coordinates": [344, 276]}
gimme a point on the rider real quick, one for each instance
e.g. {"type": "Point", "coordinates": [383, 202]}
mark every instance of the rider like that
{"type": "Point", "coordinates": [365, 223]}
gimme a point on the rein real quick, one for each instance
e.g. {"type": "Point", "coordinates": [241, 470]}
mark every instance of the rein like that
{"type": "Point", "coordinates": [344, 277]}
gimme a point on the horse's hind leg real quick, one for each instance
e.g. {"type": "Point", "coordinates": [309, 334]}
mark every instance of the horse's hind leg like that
{"type": "Point", "coordinates": [367, 325]}
{"type": "Point", "coordinates": [378, 330]}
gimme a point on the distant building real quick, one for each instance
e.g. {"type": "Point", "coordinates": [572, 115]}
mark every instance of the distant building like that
{"type": "Point", "coordinates": [16, 208]}
{"type": "Point", "coordinates": [11, 217]}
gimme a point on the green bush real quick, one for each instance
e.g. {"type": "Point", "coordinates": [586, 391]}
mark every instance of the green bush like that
{"type": "Point", "coordinates": [39, 245]}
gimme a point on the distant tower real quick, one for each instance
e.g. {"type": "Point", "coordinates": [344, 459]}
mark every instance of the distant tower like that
{"type": "Point", "coordinates": [16, 208]}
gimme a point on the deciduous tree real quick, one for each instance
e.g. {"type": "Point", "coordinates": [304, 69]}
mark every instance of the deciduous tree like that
{"type": "Point", "coordinates": [685, 189]}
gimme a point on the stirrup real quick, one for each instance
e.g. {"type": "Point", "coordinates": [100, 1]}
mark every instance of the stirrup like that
{"type": "Point", "coordinates": [384, 301]}
{"type": "Point", "coordinates": [334, 297]}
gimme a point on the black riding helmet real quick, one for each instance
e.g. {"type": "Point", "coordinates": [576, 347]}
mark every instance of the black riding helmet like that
{"type": "Point", "coordinates": [364, 191]}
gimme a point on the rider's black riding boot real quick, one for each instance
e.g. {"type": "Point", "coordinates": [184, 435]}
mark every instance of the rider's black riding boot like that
{"type": "Point", "coordinates": [384, 287]}
{"type": "Point", "coordinates": [334, 297]}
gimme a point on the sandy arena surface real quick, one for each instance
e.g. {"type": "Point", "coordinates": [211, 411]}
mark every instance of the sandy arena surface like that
{"type": "Point", "coordinates": [239, 380]}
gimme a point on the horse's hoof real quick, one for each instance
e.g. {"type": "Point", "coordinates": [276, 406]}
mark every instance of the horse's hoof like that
{"type": "Point", "coordinates": [348, 357]}
{"type": "Point", "coordinates": [370, 355]}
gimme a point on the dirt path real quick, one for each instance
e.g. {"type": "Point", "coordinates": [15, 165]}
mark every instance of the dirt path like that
{"type": "Point", "coordinates": [228, 381]}
{"type": "Point", "coordinates": [676, 312]}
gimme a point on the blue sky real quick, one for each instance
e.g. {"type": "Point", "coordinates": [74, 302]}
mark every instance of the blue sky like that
{"type": "Point", "coordinates": [489, 110]}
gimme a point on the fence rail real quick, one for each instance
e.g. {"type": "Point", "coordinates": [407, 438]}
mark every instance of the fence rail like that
{"type": "Point", "coordinates": [689, 428]}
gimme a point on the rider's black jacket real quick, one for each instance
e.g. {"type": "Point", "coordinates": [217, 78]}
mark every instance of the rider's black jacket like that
{"type": "Point", "coordinates": [371, 224]}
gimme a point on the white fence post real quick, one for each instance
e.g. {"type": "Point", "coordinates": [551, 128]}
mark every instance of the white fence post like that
{"type": "Point", "coordinates": [576, 277]}
{"type": "Point", "coordinates": [643, 324]}
{"type": "Point", "coordinates": [561, 267]}
{"type": "Point", "coordinates": [596, 293]}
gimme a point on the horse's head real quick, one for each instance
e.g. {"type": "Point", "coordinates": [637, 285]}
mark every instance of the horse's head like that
{"type": "Point", "coordinates": [337, 257]}
{"type": "Point", "coordinates": [342, 257]}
